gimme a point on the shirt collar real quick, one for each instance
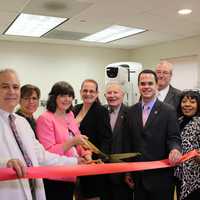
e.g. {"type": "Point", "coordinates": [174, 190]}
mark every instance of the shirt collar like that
{"type": "Point", "coordinates": [149, 104]}
{"type": "Point", "coordinates": [163, 92]}
{"type": "Point", "coordinates": [5, 114]}
{"type": "Point", "coordinates": [116, 110]}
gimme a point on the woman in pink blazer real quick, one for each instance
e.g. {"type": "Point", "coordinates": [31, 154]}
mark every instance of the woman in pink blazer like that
{"type": "Point", "coordinates": [58, 132]}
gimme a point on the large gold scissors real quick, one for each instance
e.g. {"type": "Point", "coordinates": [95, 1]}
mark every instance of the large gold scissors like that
{"type": "Point", "coordinates": [119, 157]}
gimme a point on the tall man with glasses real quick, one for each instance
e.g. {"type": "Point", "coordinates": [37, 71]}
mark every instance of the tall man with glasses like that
{"type": "Point", "coordinates": [167, 93]}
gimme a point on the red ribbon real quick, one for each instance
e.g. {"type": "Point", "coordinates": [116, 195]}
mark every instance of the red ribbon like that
{"type": "Point", "coordinates": [92, 169]}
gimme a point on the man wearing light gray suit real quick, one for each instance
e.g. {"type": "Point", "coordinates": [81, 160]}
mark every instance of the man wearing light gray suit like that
{"type": "Point", "coordinates": [167, 93]}
{"type": "Point", "coordinates": [117, 189]}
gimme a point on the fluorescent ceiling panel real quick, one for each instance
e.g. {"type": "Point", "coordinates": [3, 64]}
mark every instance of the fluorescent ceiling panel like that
{"type": "Point", "coordinates": [33, 25]}
{"type": "Point", "coordinates": [111, 33]}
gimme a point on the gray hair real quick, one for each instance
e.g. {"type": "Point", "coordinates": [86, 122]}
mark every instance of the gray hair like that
{"type": "Point", "coordinates": [115, 83]}
{"type": "Point", "coordinates": [8, 70]}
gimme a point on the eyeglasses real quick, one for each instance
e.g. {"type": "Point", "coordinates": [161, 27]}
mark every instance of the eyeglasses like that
{"type": "Point", "coordinates": [89, 91]}
{"type": "Point", "coordinates": [163, 72]}
{"type": "Point", "coordinates": [30, 98]}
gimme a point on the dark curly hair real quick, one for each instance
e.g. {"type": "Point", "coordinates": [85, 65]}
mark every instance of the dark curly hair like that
{"type": "Point", "coordinates": [194, 94]}
{"type": "Point", "coordinates": [59, 88]}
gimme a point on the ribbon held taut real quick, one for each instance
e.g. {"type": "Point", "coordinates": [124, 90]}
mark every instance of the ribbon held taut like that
{"type": "Point", "coordinates": [92, 169]}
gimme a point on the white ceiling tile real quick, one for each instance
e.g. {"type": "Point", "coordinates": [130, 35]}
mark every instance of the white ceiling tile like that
{"type": "Point", "coordinates": [6, 18]}
{"type": "Point", "coordinates": [61, 8]}
{"type": "Point", "coordinates": [13, 5]}
{"type": "Point", "coordinates": [89, 16]}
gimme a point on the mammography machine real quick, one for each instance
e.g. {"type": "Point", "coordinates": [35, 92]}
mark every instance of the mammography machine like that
{"type": "Point", "coordinates": [125, 73]}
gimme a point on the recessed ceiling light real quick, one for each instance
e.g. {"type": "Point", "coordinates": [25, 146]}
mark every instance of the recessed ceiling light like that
{"type": "Point", "coordinates": [184, 11]}
{"type": "Point", "coordinates": [83, 21]}
{"type": "Point", "coordinates": [111, 33]}
{"type": "Point", "coordinates": [33, 25]}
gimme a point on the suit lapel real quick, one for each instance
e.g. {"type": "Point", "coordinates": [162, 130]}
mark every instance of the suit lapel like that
{"type": "Point", "coordinates": [138, 116]}
{"type": "Point", "coordinates": [153, 114]}
{"type": "Point", "coordinates": [119, 120]}
{"type": "Point", "coordinates": [169, 96]}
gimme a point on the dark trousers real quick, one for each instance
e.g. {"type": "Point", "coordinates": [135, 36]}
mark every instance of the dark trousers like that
{"type": "Point", "coordinates": [142, 193]}
{"type": "Point", "coordinates": [61, 190]}
{"type": "Point", "coordinates": [93, 186]}
{"type": "Point", "coordinates": [119, 192]}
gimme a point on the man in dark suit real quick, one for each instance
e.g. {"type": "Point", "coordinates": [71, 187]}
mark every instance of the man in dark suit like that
{"type": "Point", "coordinates": [167, 93]}
{"type": "Point", "coordinates": [118, 189]}
{"type": "Point", "coordinates": [153, 131]}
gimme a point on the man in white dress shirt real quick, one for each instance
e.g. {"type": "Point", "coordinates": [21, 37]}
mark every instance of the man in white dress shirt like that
{"type": "Point", "coordinates": [11, 154]}
{"type": "Point", "coordinates": [167, 93]}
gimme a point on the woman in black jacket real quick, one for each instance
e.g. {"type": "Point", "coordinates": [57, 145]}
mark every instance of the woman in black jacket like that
{"type": "Point", "coordinates": [94, 122]}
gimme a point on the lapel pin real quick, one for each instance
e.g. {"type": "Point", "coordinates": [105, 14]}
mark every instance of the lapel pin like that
{"type": "Point", "coordinates": [156, 112]}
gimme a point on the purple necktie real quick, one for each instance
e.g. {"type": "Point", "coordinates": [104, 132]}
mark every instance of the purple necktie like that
{"type": "Point", "coordinates": [23, 151]}
{"type": "Point", "coordinates": [19, 141]}
{"type": "Point", "coordinates": [145, 114]}
{"type": "Point", "coordinates": [113, 118]}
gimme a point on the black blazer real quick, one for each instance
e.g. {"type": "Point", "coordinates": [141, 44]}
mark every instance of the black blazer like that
{"type": "Point", "coordinates": [173, 97]}
{"type": "Point", "coordinates": [118, 141]}
{"type": "Point", "coordinates": [159, 136]}
{"type": "Point", "coordinates": [30, 120]}
{"type": "Point", "coordinates": [118, 131]}
{"type": "Point", "coordinates": [96, 125]}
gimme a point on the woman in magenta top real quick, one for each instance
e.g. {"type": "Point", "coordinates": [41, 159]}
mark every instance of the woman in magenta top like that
{"type": "Point", "coordinates": [58, 132]}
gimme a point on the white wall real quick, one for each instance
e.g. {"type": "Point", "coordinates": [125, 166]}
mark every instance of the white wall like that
{"type": "Point", "coordinates": [185, 72]}
{"type": "Point", "coordinates": [45, 64]}
{"type": "Point", "coordinates": [151, 55]}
